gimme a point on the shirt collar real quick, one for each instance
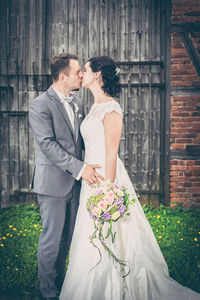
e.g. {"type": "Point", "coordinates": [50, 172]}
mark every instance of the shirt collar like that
{"type": "Point", "coordinates": [60, 95]}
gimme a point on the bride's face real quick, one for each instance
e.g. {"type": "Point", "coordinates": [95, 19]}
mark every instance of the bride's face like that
{"type": "Point", "coordinates": [89, 77]}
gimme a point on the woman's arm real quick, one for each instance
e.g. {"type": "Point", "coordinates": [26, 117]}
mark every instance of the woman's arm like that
{"type": "Point", "coordinates": [112, 129]}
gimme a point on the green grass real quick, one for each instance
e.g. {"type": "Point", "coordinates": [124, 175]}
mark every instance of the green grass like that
{"type": "Point", "coordinates": [177, 232]}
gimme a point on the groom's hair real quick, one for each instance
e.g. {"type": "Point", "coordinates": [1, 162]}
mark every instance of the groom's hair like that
{"type": "Point", "coordinates": [60, 63]}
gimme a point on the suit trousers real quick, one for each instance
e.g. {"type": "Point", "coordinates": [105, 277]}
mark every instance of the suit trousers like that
{"type": "Point", "coordinates": [58, 218]}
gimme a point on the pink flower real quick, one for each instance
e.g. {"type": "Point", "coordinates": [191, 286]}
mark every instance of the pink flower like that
{"type": "Point", "coordinates": [96, 211]}
{"type": "Point", "coordinates": [108, 200]}
{"type": "Point", "coordinates": [102, 205]}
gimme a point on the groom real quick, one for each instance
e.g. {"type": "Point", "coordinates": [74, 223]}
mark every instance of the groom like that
{"type": "Point", "coordinates": [55, 117]}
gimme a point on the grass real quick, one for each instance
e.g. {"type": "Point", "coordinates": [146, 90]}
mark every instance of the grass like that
{"type": "Point", "coordinates": [177, 232]}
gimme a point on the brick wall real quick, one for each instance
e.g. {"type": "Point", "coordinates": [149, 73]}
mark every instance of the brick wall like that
{"type": "Point", "coordinates": [185, 111]}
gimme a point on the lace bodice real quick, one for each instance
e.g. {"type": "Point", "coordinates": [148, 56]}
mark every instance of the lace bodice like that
{"type": "Point", "coordinates": [92, 130]}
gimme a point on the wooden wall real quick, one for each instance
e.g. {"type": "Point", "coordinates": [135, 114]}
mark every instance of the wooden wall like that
{"type": "Point", "coordinates": [133, 32]}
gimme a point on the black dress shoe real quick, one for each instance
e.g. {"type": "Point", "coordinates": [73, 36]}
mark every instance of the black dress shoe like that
{"type": "Point", "coordinates": [51, 298]}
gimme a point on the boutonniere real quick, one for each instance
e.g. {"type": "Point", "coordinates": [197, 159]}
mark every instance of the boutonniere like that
{"type": "Point", "coordinates": [76, 110]}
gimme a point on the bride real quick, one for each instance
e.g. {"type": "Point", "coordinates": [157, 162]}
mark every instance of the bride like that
{"type": "Point", "coordinates": [135, 242]}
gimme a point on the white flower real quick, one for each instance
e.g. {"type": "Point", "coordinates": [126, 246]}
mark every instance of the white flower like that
{"type": "Point", "coordinates": [76, 110]}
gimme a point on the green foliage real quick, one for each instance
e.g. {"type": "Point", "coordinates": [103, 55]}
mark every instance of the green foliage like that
{"type": "Point", "coordinates": [19, 234]}
{"type": "Point", "coordinates": [177, 232]}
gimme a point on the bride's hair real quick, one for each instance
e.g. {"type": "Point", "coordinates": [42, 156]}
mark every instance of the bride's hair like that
{"type": "Point", "coordinates": [109, 72]}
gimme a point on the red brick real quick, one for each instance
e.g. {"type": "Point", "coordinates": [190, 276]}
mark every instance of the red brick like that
{"type": "Point", "coordinates": [178, 178]}
{"type": "Point", "coordinates": [183, 141]}
{"type": "Point", "coordinates": [173, 162]}
{"type": "Point", "coordinates": [193, 189]}
{"type": "Point", "coordinates": [187, 184]}
{"type": "Point", "coordinates": [174, 173]}
{"type": "Point", "coordinates": [177, 147]}
{"type": "Point", "coordinates": [194, 168]}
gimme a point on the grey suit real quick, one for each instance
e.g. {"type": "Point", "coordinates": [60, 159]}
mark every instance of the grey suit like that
{"type": "Point", "coordinates": [58, 151]}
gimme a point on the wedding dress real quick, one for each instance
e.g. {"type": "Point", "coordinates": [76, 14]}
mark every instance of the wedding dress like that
{"type": "Point", "coordinates": [135, 242]}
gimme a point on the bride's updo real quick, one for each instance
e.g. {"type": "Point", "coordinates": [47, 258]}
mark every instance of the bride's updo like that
{"type": "Point", "coordinates": [109, 72]}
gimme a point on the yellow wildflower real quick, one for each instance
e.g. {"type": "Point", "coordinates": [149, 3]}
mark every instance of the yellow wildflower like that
{"type": "Point", "coordinates": [178, 221]}
{"type": "Point", "coordinates": [21, 231]}
{"type": "Point", "coordinates": [10, 226]}
{"type": "Point", "coordinates": [2, 245]}
{"type": "Point", "coordinates": [158, 217]}
{"type": "Point", "coordinates": [11, 235]}
{"type": "Point", "coordinates": [196, 240]}
{"type": "Point", "coordinates": [197, 245]}
{"type": "Point", "coordinates": [163, 226]}
{"type": "Point", "coordinates": [24, 234]}
{"type": "Point", "coordinates": [35, 225]}
{"type": "Point", "coordinates": [179, 232]}
{"type": "Point", "coordinates": [14, 229]}
{"type": "Point", "coordinates": [181, 239]}
{"type": "Point", "coordinates": [160, 237]}
{"type": "Point", "coordinates": [156, 230]}
{"type": "Point", "coordinates": [7, 233]}
{"type": "Point", "coordinates": [4, 238]}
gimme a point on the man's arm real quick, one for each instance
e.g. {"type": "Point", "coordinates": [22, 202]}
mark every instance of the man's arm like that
{"type": "Point", "coordinates": [42, 127]}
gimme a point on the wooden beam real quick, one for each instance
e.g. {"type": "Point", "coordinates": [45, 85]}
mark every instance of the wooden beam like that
{"type": "Point", "coordinates": [186, 155]}
{"type": "Point", "coordinates": [191, 51]}
{"type": "Point", "coordinates": [186, 90]}
{"type": "Point", "coordinates": [185, 27]}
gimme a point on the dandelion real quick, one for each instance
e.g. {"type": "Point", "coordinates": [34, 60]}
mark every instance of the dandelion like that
{"type": "Point", "coordinates": [11, 235]}
{"type": "Point", "coordinates": [178, 221]}
{"type": "Point", "coordinates": [160, 237]}
{"type": "Point", "coordinates": [196, 240]}
{"type": "Point", "coordinates": [4, 238]}
{"type": "Point", "coordinates": [21, 231]}
{"type": "Point", "coordinates": [181, 239]}
{"type": "Point", "coordinates": [158, 217]}
{"type": "Point", "coordinates": [156, 230]}
{"type": "Point", "coordinates": [14, 229]}
{"type": "Point", "coordinates": [24, 234]}
{"type": "Point", "coordinates": [199, 232]}
{"type": "Point", "coordinates": [7, 233]}
{"type": "Point", "coordinates": [10, 226]}
{"type": "Point", "coordinates": [179, 232]}
{"type": "Point", "coordinates": [2, 245]}
{"type": "Point", "coordinates": [163, 226]}
{"type": "Point", "coordinates": [34, 225]}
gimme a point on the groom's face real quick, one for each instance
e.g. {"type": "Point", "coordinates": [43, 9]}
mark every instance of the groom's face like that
{"type": "Point", "coordinates": [73, 76]}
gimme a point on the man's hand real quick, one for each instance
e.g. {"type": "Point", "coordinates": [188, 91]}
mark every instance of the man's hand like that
{"type": "Point", "coordinates": [90, 175]}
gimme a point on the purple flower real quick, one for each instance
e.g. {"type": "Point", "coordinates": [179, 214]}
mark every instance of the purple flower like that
{"type": "Point", "coordinates": [122, 208]}
{"type": "Point", "coordinates": [107, 216]}
{"type": "Point", "coordinates": [98, 192]}
{"type": "Point", "coordinates": [92, 216]}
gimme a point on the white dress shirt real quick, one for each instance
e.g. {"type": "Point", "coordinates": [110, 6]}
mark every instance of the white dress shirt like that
{"type": "Point", "coordinates": [70, 114]}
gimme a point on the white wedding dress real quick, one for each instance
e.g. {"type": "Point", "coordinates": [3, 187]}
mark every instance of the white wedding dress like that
{"type": "Point", "coordinates": [135, 242]}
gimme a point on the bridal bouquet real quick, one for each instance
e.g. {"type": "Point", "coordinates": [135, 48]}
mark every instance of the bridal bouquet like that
{"type": "Point", "coordinates": [108, 203]}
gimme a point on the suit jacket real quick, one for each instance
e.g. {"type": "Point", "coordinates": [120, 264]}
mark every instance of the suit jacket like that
{"type": "Point", "coordinates": [58, 148]}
